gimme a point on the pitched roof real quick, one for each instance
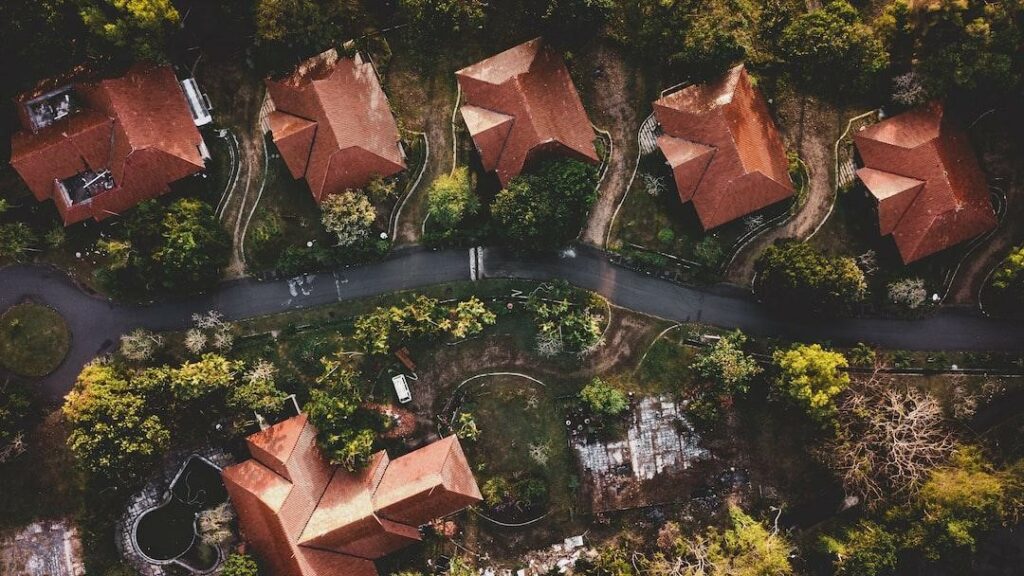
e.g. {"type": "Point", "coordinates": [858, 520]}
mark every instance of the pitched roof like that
{"type": "Point", "coordinates": [726, 155]}
{"type": "Point", "coordinates": [930, 190]}
{"type": "Point", "coordinates": [333, 124]}
{"type": "Point", "coordinates": [138, 127]}
{"type": "Point", "coordinates": [522, 103]}
{"type": "Point", "coordinates": [306, 518]}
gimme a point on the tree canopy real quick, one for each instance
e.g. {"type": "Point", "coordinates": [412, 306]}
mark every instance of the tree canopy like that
{"type": "Point", "coordinates": [812, 376]}
{"type": "Point", "coordinates": [545, 208]}
{"type": "Point", "coordinates": [830, 50]}
{"type": "Point", "coordinates": [795, 278]}
{"type": "Point", "coordinates": [347, 431]}
{"type": "Point", "coordinates": [451, 199]}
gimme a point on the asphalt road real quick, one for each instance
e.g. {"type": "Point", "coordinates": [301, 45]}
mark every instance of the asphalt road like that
{"type": "Point", "coordinates": [97, 323]}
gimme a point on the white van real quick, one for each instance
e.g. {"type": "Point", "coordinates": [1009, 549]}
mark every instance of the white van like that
{"type": "Point", "coordinates": [402, 388]}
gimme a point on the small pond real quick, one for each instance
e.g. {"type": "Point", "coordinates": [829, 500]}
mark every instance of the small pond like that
{"type": "Point", "coordinates": [168, 533]}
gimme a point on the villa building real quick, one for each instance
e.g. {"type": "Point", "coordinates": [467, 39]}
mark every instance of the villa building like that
{"type": "Point", "coordinates": [923, 175]}
{"type": "Point", "coordinates": [99, 148]}
{"type": "Point", "coordinates": [725, 152]}
{"type": "Point", "coordinates": [305, 517]}
{"type": "Point", "coordinates": [521, 105]}
{"type": "Point", "coordinates": [333, 125]}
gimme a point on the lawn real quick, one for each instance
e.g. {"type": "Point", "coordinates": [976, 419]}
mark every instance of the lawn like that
{"type": "Point", "coordinates": [522, 438]}
{"type": "Point", "coordinates": [34, 339]}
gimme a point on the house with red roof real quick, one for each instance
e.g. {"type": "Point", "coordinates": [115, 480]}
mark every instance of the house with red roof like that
{"type": "Point", "coordinates": [922, 173]}
{"type": "Point", "coordinates": [304, 517]}
{"type": "Point", "coordinates": [521, 105]}
{"type": "Point", "coordinates": [99, 148]}
{"type": "Point", "coordinates": [725, 152]}
{"type": "Point", "coordinates": [333, 126]}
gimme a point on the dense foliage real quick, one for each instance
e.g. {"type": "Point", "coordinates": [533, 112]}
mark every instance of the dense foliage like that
{"type": "Point", "coordinates": [1008, 280]}
{"type": "Point", "coordinates": [568, 320]}
{"type": "Point", "coordinates": [239, 564]}
{"type": "Point", "coordinates": [830, 50]}
{"type": "Point", "coordinates": [812, 376]}
{"type": "Point", "coordinates": [545, 208]}
{"type": "Point", "coordinates": [795, 278]}
{"type": "Point", "coordinates": [451, 199]}
{"type": "Point", "coordinates": [347, 429]}
{"type": "Point", "coordinates": [386, 328]}
{"type": "Point", "coordinates": [603, 399]}
{"type": "Point", "coordinates": [121, 419]}
{"type": "Point", "coordinates": [178, 249]}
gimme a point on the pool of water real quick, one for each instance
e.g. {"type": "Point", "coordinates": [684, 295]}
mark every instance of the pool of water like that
{"type": "Point", "coordinates": [168, 532]}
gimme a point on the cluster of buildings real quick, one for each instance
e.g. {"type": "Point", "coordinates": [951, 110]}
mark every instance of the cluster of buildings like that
{"type": "Point", "coordinates": [97, 148]}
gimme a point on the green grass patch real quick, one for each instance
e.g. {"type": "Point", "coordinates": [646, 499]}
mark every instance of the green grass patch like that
{"type": "Point", "coordinates": [34, 339]}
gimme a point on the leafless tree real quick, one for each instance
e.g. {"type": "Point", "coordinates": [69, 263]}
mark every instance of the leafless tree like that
{"type": "Point", "coordinates": [13, 449]}
{"type": "Point", "coordinates": [890, 439]}
{"type": "Point", "coordinates": [215, 524]}
{"type": "Point", "coordinates": [195, 341]}
{"type": "Point", "coordinates": [140, 345]}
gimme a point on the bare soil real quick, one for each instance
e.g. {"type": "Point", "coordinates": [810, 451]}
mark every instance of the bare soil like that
{"type": "Point", "coordinates": [613, 103]}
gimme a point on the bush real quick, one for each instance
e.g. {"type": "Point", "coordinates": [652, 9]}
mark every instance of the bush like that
{"type": "Point", "coordinates": [451, 199]}
{"type": "Point", "coordinates": [545, 209]}
{"type": "Point", "coordinates": [795, 278]}
{"type": "Point", "coordinates": [666, 236]}
{"type": "Point", "coordinates": [813, 377]}
{"type": "Point", "coordinates": [603, 399]}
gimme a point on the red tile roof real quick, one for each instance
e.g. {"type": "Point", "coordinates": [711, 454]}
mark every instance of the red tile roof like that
{"type": "Point", "coordinates": [921, 170]}
{"type": "Point", "coordinates": [333, 124]}
{"type": "Point", "coordinates": [726, 155]}
{"type": "Point", "coordinates": [138, 127]}
{"type": "Point", "coordinates": [306, 518]}
{"type": "Point", "coordinates": [520, 104]}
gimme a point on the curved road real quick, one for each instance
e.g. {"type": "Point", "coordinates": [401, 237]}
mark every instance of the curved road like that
{"type": "Point", "coordinates": [97, 323]}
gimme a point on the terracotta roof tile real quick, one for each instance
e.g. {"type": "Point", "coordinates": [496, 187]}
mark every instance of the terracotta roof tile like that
{"type": "Point", "coordinates": [356, 137]}
{"type": "Point", "coordinates": [429, 483]}
{"type": "Point", "coordinates": [952, 202]}
{"type": "Point", "coordinates": [748, 170]}
{"type": "Point", "coordinates": [326, 521]}
{"type": "Point", "coordinates": [138, 127]}
{"type": "Point", "coordinates": [522, 103]}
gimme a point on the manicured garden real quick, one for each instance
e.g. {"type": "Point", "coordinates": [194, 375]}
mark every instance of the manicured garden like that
{"type": "Point", "coordinates": [34, 339]}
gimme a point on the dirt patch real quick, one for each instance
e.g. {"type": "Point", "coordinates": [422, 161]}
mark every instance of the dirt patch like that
{"type": "Point", "coordinates": [613, 99]}
{"type": "Point", "coordinates": [42, 549]}
{"type": "Point", "coordinates": [237, 95]}
{"type": "Point", "coordinates": [811, 127]}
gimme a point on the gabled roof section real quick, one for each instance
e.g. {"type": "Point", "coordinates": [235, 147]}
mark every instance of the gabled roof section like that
{"type": "Point", "coordinates": [320, 520]}
{"type": "Point", "coordinates": [950, 204]}
{"type": "Point", "coordinates": [137, 127]}
{"type": "Point", "coordinates": [354, 126]}
{"type": "Point", "coordinates": [426, 484]}
{"type": "Point", "coordinates": [748, 170]}
{"type": "Point", "coordinates": [293, 137]}
{"type": "Point", "coordinates": [520, 101]}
